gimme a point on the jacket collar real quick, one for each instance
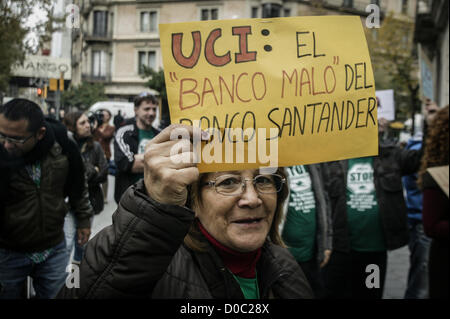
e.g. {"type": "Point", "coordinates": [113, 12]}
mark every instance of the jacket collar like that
{"type": "Point", "coordinates": [135, 132]}
{"type": "Point", "coordinates": [219, 279]}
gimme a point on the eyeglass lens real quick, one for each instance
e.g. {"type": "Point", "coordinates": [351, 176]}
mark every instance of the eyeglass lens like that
{"type": "Point", "coordinates": [230, 185]}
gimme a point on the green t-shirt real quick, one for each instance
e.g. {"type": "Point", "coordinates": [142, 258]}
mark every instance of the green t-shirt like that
{"type": "Point", "coordinates": [249, 287]}
{"type": "Point", "coordinates": [366, 233]}
{"type": "Point", "coordinates": [144, 137]}
{"type": "Point", "coordinates": [299, 232]}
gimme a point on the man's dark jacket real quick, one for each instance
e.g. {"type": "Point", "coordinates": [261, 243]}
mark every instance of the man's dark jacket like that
{"type": "Point", "coordinates": [389, 166]}
{"type": "Point", "coordinates": [142, 255]}
{"type": "Point", "coordinates": [32, 216]}
{"type": "Point", "coordinates": [126, 143]}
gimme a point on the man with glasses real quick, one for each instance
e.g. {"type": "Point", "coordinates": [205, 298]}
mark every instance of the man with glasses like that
{"type": "Point", "coordinates": [39, 168]}
{"type": "Point", "coordinates": [130, 141]}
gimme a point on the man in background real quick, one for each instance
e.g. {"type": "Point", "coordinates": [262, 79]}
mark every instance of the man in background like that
{"type": "Point", "coordinates": [130, 141]}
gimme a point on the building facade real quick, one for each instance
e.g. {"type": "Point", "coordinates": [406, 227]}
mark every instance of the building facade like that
{"type": "Point", "coordinates": [117, 38]}
{"type": "Point", "coordinates": [431, 32]}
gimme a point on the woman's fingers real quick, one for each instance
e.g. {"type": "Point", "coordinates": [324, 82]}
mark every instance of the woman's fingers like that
{"type": "Point", "coordinates": [178, 131]}
{"type": "Point", "coordinates": [170, 164]}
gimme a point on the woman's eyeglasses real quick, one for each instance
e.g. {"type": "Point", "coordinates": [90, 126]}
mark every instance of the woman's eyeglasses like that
{"type": "Point", "coordinates": [231, 185]}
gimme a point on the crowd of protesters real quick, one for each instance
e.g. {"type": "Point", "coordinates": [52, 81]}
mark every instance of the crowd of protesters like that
{"type": "Point", "coordinates": [308, 231]}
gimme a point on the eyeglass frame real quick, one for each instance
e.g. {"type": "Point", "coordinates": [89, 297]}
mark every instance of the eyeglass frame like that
{"type": "Point", "coordinates": [244, 184]}
{"type": "Point", "coordinates": [14, 140]}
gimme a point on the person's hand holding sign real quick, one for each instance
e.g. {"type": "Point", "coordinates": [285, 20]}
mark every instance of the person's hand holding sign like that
{"type": "Point", "coordinates": [167, 174]}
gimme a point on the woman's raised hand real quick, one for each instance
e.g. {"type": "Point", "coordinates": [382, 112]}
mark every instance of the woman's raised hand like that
{"type": "Point", "coordinates": [169, 163]}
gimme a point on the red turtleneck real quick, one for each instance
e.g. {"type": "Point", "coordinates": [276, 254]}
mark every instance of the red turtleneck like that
{"type": "Point", "coordinates": [240, 264]}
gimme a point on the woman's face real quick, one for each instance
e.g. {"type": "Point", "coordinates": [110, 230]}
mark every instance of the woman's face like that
{"type": "Point", "coordinates": [240, 222]}
{"type": "Point", "coordinates": [106, 117]}
{"type": "Point", "coordinates": [83, 126]}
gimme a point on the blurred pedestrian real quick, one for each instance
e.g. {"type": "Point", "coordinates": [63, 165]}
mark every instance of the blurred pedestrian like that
{"type": "Point", "coordinates": [39, 168]}
{"type": "Point", "coordinates": [369, 217]}
{"type": "Point", "coordinates": [436, 205]}
{"type": "Point", "coordinates": [62, 112]}
{"type": "Point", "coordinates": [419, 243]}
{"type": "Point", "coordinates": [118, 119]}
{"type": "Point", "coordinates": [96, 172]}
{"type": "Point", "coordinates": [181, 234]}
{"type": "Point", "coordinates": [130, 142]}
{"type": "Point", "coordinates": [52, 113]}
{"type": "Point", "coordinates": [307, 230]}
{"type": "Point", "coordinates": [104, 135]}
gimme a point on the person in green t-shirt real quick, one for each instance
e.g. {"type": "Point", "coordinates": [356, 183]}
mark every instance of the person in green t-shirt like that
{"type": "Point", "coordinates": [307, 227]}
{"type": "Point", "coordinates": [130, 141]}
{"type": "Point", "coordinates": [369, 217]}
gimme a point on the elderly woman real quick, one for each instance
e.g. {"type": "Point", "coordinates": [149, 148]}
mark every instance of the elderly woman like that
{"type": "Point", "coordinates": [181, 234]}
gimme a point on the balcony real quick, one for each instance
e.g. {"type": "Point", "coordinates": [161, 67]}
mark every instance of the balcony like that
{"type": "Point", "coordinates": [357, 7]}
{"type": "Point", "coordinates": [430, 22]}
{"type": "Point", "coordinates": [88, 5]}
{"type": "Point", "coordinates": [97, 36]}
{"type": "Point", "coordinates": [95, 78]}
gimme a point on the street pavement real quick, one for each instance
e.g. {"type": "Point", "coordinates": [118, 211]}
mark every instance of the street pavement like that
{"type": "Point", "coordinates": [398, 260]}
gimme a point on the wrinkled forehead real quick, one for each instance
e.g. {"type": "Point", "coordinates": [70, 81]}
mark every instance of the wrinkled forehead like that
{"type": "Point", "coordinates": [245, 173]}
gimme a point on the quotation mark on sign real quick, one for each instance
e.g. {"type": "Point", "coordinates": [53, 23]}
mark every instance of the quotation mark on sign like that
{"type": "Point", "coordinates": [336, 60]}
{"type": "Point", "coordinates": [173, 76]}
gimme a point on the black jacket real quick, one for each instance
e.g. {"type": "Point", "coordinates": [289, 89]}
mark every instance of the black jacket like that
{"type": "Point", "coordinates": [142, 255]}
{"type": "Point", "coordinates": [126, 143]}
{"type": "Point", "coordinates": [32, 216]}
{"type": "Point", "coordinates": [93, 156]}
{"type": "Point", "coordinates": [389, 166]}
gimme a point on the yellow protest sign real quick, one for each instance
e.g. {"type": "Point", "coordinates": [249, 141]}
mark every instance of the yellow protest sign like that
{"type": "Point", "coordinates": [304, 85]}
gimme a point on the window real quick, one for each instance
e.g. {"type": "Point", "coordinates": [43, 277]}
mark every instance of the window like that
{"type": "Point", "coordinates": [404, 6]}
{"type": "Point", "coordinates": [149, 21]}
{"type": "Point", "coordinates": [100, 23]}
{"type": "Point", "coordinates": [147, 58]}
{"type": "Point", "coordinates": [255, 12]}
{"type": "Point", "coordinates": [348, 4]}
{"type": "Point", "coordinates": [209, 14]}
{"type": "Point", "coordinates": [271, 10]}
{"type": "Point", "coordinates": [98, 63]}
{"type": "Point", "coordinates": [286, 12]}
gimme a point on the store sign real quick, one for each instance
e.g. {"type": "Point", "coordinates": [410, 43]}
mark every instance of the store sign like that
{"type": "Point", "coordinates": [36, 66]}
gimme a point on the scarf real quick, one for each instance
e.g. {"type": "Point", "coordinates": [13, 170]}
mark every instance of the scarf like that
{"type": "Point", "coordinates": [55, 132]}
{"type": "Point", "coordinates": [240, 264]}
